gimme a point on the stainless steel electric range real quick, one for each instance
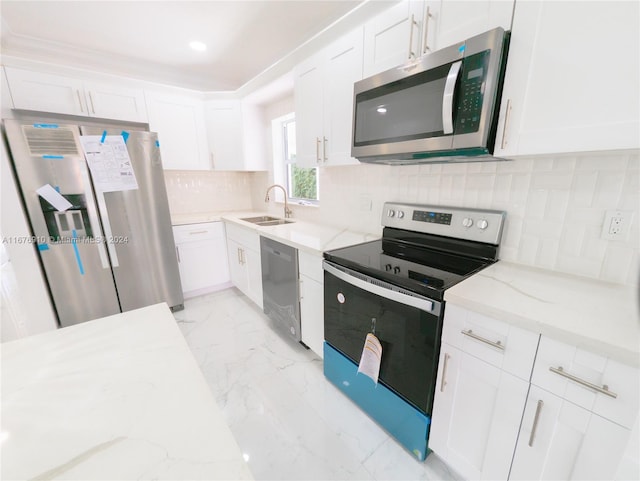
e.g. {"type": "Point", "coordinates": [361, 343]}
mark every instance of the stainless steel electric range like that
{"type": "Point", "coordinates": [394, 288]}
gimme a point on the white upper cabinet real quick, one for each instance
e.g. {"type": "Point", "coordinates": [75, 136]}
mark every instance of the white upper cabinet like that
{"type": "Point", "coordinates": [454, 20]}
{"type": "Point", "coordinates": [572, 78]}
{"type": "Point", "coordinates": [179, 122]}
{"type": "Point", "coordinates": [324, 102]}
{"type": "Point", "coordinates": [414, 28]}
{"type": "Point", "coordinates": [393, 37]}
{"type": "Point", "coordinates": [224, 133]}
{"type": "Point", "coordinates": [44, 92]}
{"type": "Point", "coordinates": [235, 135]}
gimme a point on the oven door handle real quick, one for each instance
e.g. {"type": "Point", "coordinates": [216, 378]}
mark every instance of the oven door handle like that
{"type": "Point", "coordinates": [417, 302]}
{"type": "Point", "coordinates": [447, 98]}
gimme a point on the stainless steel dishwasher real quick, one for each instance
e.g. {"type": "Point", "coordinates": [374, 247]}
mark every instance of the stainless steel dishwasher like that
{"type": "Point", "coordinates": [280, 288]}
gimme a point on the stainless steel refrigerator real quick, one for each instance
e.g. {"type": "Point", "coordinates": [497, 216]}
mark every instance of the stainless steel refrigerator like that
{"type": "Point", "coordinates": [102, 251]}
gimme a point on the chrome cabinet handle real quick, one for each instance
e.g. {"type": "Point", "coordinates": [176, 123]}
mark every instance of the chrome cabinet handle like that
{"type": "Point", "coordinates": [242, 258]}
{"type": "Point", "coordinates": [536, 418]}
{"type": "Point", "coordinates": [413, 22]}
{"type": "Point", "coordinates": [473, 335]}
{"type": "Point", "coordinates": [324, 148]}
{"type": "Point", "coordinates": [443, 382]}
{"type": "Point", "coordinates": [425, 26]}
{"type": "Point", "coordinates": [178, 253]}
{"type": "Point", "coordinates": [79, 100]}
{"type": "Point", "coordinates": [507, 116]}
{"type": "Point", "coordinates": [603, 390]}
{"type": "Point", "coordinates": [93, 108]}
{"type": "Point", "coordinates": [198, 232]}
{"type": "Point", "coordinates": [212, 161]}
{"type": "Point", "coordinates": [447, 97]}
{"type": "Point", "coordinates": [318, 149]}
{"type": "Point", "coordinates": [300, 287]}
{"type": "Point", "coordinates": [238, 253]}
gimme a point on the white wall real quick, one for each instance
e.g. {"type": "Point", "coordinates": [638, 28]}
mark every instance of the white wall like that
{"type": "Point", "coordinates": [555, 205]}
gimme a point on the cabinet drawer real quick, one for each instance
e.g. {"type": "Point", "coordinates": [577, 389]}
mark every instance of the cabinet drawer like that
{"type": "Point", "coordinates": [247, 237]}
{"type": "Point", "coordinates": [311, 266]}
{"type": "Point", "coordinates": [579, 367]}
{"type": "Point", "coordinates": [500, 344]}
{"type": "Point", "coordinates": [198, 232]}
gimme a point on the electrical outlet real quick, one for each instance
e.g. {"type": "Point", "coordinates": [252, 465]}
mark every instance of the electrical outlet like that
{"type": "Point", "coordinates": [617, 225]}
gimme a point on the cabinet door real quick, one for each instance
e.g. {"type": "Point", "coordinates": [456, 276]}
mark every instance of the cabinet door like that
{"type": "Point", "coordinates": [312, 314]}
{"type": "Point", "coordinates": [459, 20]}
{"type": "Point", "coordinates": [560, 92]}
{"type": "Point", "coordinates": [254, 275]}
{"type": "Point", "coordinates": [393, 37]}
{"type": "Point", "coordinates": [113, 102]}
{"type": "Point", "coordinates": [237, 269]}
{"type": "Point", "coordinates": [46, 93]}
{"type": "Point", "coordinates": [224, 132]}
{"type": "Point", "coordinates": [343, 67]}
{"type": "Point", "coordinates": [179, 122]}
{"type": "Point", "coordinates": [559, 440]}
{"type": "Point", "coordinates": [477, 411]}
{"type": "Point", "coordinates": [309, 114]}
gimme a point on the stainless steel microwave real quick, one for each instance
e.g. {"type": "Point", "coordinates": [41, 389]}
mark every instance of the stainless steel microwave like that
{"type": "Point", "coordinates": [441, 108]}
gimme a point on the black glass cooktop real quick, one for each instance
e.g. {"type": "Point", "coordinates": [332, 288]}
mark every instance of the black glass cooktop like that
{"type": "Point", "coordinates": [417, 268]}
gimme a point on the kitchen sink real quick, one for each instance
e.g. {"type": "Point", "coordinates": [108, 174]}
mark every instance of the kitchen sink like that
{"type": "Point", "coordinates": [275, 222]}
{"type": "Point", "coordinates": [266, 220]}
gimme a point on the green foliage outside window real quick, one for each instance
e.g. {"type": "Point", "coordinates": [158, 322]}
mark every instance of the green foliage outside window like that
{"type": "Point", "coordinates": [304, 183]}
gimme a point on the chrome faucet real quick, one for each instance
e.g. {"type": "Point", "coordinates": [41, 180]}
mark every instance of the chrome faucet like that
{"type": "Point", "coordinates": [287, 211]}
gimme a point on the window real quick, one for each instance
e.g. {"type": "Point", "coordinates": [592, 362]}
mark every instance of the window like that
{"type": "Point", "coordinates": [301, 182]}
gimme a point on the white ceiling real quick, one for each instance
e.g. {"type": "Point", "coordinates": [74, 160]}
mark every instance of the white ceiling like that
{"type": "Point", "coordinates": [149, 39]}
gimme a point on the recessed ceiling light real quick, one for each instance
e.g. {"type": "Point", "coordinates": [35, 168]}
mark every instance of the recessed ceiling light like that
{"type": "Point", "coordinates": [382, 109]}
{"type": "Point", "coordinates": [198, 46]}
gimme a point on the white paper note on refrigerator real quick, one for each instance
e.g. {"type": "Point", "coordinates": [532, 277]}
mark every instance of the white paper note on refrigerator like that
{"type": "Point", "coordinates": [54, 197]}
{"type": "Point", "coordinates": [109, 161]}
{"type": "Point", "coordinates": [371, 357]}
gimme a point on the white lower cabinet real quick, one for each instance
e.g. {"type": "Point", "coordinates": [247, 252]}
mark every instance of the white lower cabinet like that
{"type": "Point", "coordinates": [509, 407]}
{"type": "Point", "coordinates": [476, 415]}
{"type": "Point", "coordinates": [243, 250]}
{"type": "Point", "coordinates": [560, 440]}
{"type": "Point", "coordinates": [482, 384]}
{"type": "Point", "coordinates": [311, 301]}
{"type": "Point", "coordinates": [202, 257]}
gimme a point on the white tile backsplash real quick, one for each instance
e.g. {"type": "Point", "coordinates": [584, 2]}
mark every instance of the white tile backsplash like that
{"type": "Point", "coordinates": [555, 204]}
{"type": "Point", "coordinates": [191, 191]}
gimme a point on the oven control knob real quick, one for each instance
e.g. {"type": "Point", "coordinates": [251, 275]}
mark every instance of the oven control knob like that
{"type": "Point", "coordinates": [391, 213]}
{"type": "Point", "coordinates": [387, 267]}
{"type": "Point", "coordinates": [400, 214]}
{"type": "Point", "coordinates": [467, 222]}
{"type": "Point", "coordinates": [482, 224]}
{"type": "Point", "coordinates": [396, 269]}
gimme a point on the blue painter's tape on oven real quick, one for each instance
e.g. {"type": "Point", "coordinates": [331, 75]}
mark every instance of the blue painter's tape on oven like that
{"type": "Point", "coordinates": [404, 422]}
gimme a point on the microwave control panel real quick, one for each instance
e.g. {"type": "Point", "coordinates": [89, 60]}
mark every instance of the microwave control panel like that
{"type": "Point", "coordinates": [471, 93]}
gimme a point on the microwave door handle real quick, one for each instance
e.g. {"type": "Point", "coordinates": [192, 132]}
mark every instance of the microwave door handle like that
{"type": "Point", "coordinates": [447, 98]}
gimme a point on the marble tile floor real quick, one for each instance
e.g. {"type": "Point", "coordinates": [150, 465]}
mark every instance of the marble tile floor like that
{"type": "Point", "coordinates": [290, 423]}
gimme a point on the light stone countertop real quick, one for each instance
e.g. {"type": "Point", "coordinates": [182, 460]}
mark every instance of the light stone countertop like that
{"type": "Point", "coordinates": [116, 398]}
{"type": "Point", "coordinates": [595, 315]}
{"type": "Point", "coordinates": [197, 217]}
{"type": "Point", "coordinates": [307, 236]}
{"type": "Point", "coordinates": [598, 316]}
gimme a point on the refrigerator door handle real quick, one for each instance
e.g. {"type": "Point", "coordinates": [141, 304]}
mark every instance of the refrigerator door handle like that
{"type": "Point", "coordinates": [106, 224]}
{"type": "Point", "coordinates": [93, 216]}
